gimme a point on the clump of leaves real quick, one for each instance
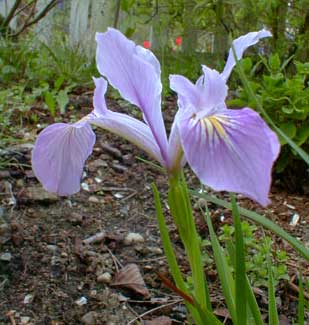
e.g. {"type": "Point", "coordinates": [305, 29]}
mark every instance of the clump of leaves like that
{"type": "Point", "coordinates": [256, 252]}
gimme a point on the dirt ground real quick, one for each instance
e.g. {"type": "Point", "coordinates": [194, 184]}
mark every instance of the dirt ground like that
{"type": "Point", "coordinates": [76, 260]}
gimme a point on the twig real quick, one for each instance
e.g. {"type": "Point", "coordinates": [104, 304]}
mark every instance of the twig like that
{"type": "Point", "coordinates": [98, 237]}
{"type": "Point", "coordinates": [9, 17]}
{"type": "Point", "coordinates": [41, 15]}
{"type": "Point", "coordinates": [10, 316]}
{"type": "Point", "coordinates": [115, 260]}
{"type": "Point", "coordinates": [295, 288]}
{"type": "Point", "coordinates": [152, 310]}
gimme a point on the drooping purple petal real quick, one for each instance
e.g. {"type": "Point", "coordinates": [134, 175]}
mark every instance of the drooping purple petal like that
{"type": "Point", "coordinates": [240, 45]}
{"type": "Point", "coordinates": [231, 151]}
{"type": "Point", "coordinates": [135, 72]}
{"type": "Point", "coordinates": [132, 130]}
{"type": "Point", "coordinates": [207, 95]}
{"type": "Point", "coordinates": [59, 156]}
{"type": "Point", "coordinates": [123, 125]}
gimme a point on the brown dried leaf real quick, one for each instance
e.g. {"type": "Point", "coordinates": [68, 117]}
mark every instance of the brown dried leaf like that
{"type": "Point", "coordinates": [129, 277]}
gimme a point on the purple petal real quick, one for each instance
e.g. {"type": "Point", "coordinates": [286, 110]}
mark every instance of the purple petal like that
{"type": "Point", "coordinates": [136, 74]}
{"type": "Point", "coordinates": [240, 45]}
{"type": "Point", "coordinates": [130, 129]}
{"type": "Point", "coordinates": [99, 102]}
{"type": "Point", "coordinates": [207, 95]}
{"type": "Point", "coordinates": [232, 151]}
{"type": "Point", "coordinates": [176, 156]}
{"type": "Point", "coordinates": [59, 156]}
{"type": "Point", "coordinates": [188, 94]}
{"type": "Point", "coordinates": [123, 125]}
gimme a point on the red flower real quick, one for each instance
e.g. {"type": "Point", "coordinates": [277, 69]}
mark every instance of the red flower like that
{"type": "Point", "coordinates": [178, 41]}
{"type": "Point", "coordinates": [147, 44]}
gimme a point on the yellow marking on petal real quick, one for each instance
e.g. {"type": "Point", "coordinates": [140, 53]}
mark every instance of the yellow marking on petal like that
{"type": "Point", "coordinates": [217, 125]}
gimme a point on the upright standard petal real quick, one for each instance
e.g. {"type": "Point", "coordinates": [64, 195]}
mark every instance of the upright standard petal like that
{"type": "Point", "coordinates": [135, 72]}
{"type": "Point", "coordinates": [240, 45]}
{"type": "Point", "coordinates": [206, 95]}
{"type": "Point", "coordinates": [232, 151]}
{"type": "Point", "coordinates": [59, 155]}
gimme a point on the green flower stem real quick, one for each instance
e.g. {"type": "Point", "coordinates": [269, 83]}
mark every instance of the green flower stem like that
{"type": "Point", "coordinates": [169, 252]}
{"type": "Point", "coordinates": [181, 212]}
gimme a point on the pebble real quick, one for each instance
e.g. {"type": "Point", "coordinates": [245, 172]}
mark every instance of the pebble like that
{"type": "Point", "coordinates": [24, 320]}
{"type": "Point", "coordinates": [85, 187]}
{"type": "Point", "coordinates": [133, 238]}
{"type": "Point", "coordinates": [52, 248]}
{"type": "Point", "coordinates": [28, 299]}
{"type": "Point", "coordinates": [104, 278]}
{"type": "Point", "coordinates": [111, 150]}
{"type": "Point", "coordinates": [81, 301]}
{"type": "Point", "coordinates": [5, 257]}
{"type": "Point", "coordinates": [93, 199]}
{"type": "Point", "coordinates": [89, 318]}
{"type": "Point", "coordinates": [119, 168]}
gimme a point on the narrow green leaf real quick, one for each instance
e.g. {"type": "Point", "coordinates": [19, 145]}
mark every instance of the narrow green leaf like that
{"type": "Point", "coordinates": [169, 253]}
{"type": "Point", "coordinates": [224, 272]}
{"type": "Point", "coordinates": [296, 244]}
{"type": "Point", "coordinates": [50, 102]}
{"type": "Point", "coordinates": [253, 305]}
{"type": "Point", "coordinates": [240, 267]}
{"type": "Point", "coordinates": [272, 308]}
{"type": "Point", "coordinates": [301, 302]}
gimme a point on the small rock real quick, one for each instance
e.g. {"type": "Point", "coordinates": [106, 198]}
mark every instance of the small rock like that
{"type": "Point", "coordinates": [28, 299]}
{"type": "Point", "coordinates": [111, 150]}
{"type": "Point", "coordinates": [128, 159]}
{"type": "Point", "coordinates": [119, 168]}
{"type": "Point", "coordinates": [118, 195]}
{"type": "Point", "coordinates": [24, 320]}
{"type": "Point", "coordinates": [37, 194]}
{"type": "Point", "coordinates": [89, 318]}
{"type": "Point", "coordinates": [76, 218]}
{"type": "Point", "coordinates": [133, 238]}
{"type": "Point", "coordinates": [155, 250]}
{"type": "Point", "coordinates": [93, 199]}
{"type": "Point", "coordinates": [52, 248]}
{"type": "Point", "coordinates": [98, 163]}
{"type": "Point", "coordinates": [104, 278]}
{"type": "Point", "coordinates": [85, 187]}
{"type": "Point", "coordinates": [5, 257]}
{"type": "Point", "coordinates": [20, 183]}
{"type": "Point", "coordinates": [81, 301]}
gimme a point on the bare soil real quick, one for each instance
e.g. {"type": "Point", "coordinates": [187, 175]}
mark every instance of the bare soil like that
{"type": "Point", "coordinates": [54, 272]}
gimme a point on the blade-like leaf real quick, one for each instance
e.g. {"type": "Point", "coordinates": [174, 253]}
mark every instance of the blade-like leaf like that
{"type": "Point", "coordinates": [296, 244]}
{"type": "Point", "coordinates": [224, 272]}
{"type": "Point", "coordinates": [272, 308]}
{"type": "Point", "coordinates": [240, 267]}
{"type": "Point", "coordinates": [301, 301]}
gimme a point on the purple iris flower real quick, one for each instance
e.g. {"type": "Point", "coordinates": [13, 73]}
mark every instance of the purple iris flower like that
{"type": "Point", "coordinates": [230, 150]}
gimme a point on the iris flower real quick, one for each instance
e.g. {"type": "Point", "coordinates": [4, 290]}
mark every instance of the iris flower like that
{"type": "Point", "coordinates": [231, 150]}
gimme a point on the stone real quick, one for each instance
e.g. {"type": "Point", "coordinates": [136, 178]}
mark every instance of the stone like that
{"type": "Point", "coordinates": [133, 238]}
{"type": "Point", "coordinates": [5, 257]}
{"type": "Point", "coordinates": [89, 318]}
{"type": "Point", "coordinates": [106, 277]}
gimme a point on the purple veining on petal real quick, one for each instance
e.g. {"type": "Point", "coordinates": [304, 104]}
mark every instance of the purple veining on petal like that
{"type": "Point", "coordinates": [59, 156]}
{"type": "Point", "coordinates": [135, 73]}
{"type": "Point", "coordinates": [232, 151]}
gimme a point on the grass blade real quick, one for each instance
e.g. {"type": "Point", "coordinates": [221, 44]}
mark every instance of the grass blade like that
{"type": "Point", "coordinates": [272, 308]}
{"type": "Point", "coordinates": [240, 267]}
{"type": "Point", "coordinates": [301, 301]}
{"type": "Point", "coordinates": [296, 244]}
{"type": "Point", "coordinates": [224, 272]}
